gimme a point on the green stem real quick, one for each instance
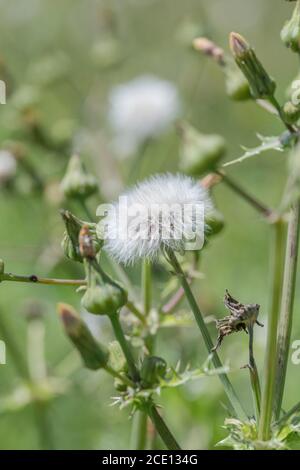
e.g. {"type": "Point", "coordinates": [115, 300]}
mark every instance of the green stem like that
{"type": "Point", "coordinates": [270, 358]}
{"type": "Point", "coordinates": [255, 203]}
{"type": "Point", "coordinates": [86, 210]}
{"type": "Point", "coordinates": [130, 305]}
{"type": "Point", "coordinates": [147, 286]}
{"type": "Point", "coordinates": [118, 376]}
{"type": "Point", "coordinates": [278, 108]}
{"type": "Point", "coordinates": [125, 346]}
{"type": "Point", "coordinates": [139, 431]}
{"type": "Point", "coordinates": [33, 279]}
{"type": "Point", "coordinates": [235, 407]}
{"type": "Point", "coordinates": [254, 377]}
{"type": "Point", "coordinates": [287, 304]}
{"type": "Point", "coordinates": [162, 429]}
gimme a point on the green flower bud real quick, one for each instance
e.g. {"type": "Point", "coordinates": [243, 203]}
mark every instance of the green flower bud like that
{"type": "Point", "coordinates": [291, 112]}
{"type": "Point", "coordinates": [261, 84]}
{"type": "Point", "coordinates": [290, 33]}
{"type": "Point", "coordinates": [104, 298]}
{"type": "Point", "coordinates": [77, 183]}
{"type": "Point", "coordinates": [215, 222]}
{"type": "Point", "coordinates": [70, 243]}
{"type": "Point", "coordinates": [199, 153]}
{"type": "Point", "coordinates": [153, 369]}
{"type": "Point", "coordinates": [94, 355]}
{"type": "Point", "coordinates": [237, 87]}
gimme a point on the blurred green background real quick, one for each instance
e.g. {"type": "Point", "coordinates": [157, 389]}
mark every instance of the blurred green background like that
{"type": "Point", "coordinates": [95, 45]}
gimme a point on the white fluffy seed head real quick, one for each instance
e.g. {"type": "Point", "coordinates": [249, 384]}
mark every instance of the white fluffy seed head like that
{"type": "Point", "coordinates": [141, 109]}
{"type": "Point", "coordinates": [157, 213]}
{"type": "Point", "coordinates": [8, 166]}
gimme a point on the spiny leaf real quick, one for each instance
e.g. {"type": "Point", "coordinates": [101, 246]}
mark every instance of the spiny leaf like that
{"type": "Point", "coordinates": [278, 143]}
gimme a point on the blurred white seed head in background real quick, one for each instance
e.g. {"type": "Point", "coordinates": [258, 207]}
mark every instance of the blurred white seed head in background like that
{"type": "Point", "coordinates": [141, 109]}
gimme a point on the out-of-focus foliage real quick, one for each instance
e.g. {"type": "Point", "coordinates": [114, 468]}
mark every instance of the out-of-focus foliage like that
{"type": "Point", "coordinates": [62, 57]}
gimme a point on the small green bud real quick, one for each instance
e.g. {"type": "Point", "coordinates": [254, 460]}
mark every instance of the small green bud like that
{"type": "Point", "coordinates": [94, 355]}
{"type": "Point", "coordinates": [77, 183]}
{"type": "Point", "coordinates": [153, 369]}
{"type": "Point", "coordinates": [237, 87]}
{"type": "Point", "coordinates": [261, 84]}
{"type": "Point", "coordinates": [104, 299]}
{"type": "Point", "coordinates": [215, 222]}
{"type": "Point", "coordinates": [290, 33]}
{"type": "Point", "coordinates": [70, 243]}
{"type": "Point", "coordinates": [199, 153]}
{"type": "Point", "coordinates": [291, 113]}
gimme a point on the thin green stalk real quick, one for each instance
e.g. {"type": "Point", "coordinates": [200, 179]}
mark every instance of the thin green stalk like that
{"type": "Point", "coordinates": [118, 376]}
{"type": "Point", "coordinates": [136, 312]}
{"type": "Point", "coordinates": [162, 429]}
{"type": "Point", "coordinates": [147, 286]}
{"type": "Point", "coordinates": [235, 406]}
{"type": "Point", "coordinates": [278, 108]}
{"type": "Point", "coordinates": [252, 200]}
{"type": "Point", "coordinates": [139, 431]}
{"type": "Point", "coordinates": [86, 209]}
{"type": "Point", "coordinates": [287, 304]}
{"type": "Point", "coordinates": [271, 348]}
{"type": "Point", "coordinates": [254, 377]}
{"type": "Point", "coordinates": [125, 346]}
{"type": "Point", "coordinates": [38, 373]}
{"type": "Point", "coordinates": [139, 425]}
{"type": "Point", "coordinates": [33, 279]}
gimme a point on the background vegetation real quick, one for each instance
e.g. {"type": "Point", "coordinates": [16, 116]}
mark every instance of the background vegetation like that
{"type": "Point", "coordinates": [150, 36]}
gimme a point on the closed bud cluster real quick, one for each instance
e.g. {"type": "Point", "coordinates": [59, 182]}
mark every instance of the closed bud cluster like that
{"type": "Point", "coordinates": [262, 86]}
{"type": "Point", "coordinates": [94, 355]}
{"type": "Point", "coordinates": [77, 183]}
{"type": "Point", "coordinates": [290, 33]}
{"type": "Point", "coordinates": [199, 153]}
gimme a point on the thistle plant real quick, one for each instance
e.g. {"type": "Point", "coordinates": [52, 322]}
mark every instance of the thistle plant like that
{"type": "Point", "coordinates": [168, 220]}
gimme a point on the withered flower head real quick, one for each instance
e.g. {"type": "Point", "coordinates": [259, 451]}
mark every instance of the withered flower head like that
{"type": "Point", "coordinates": [240, 318]}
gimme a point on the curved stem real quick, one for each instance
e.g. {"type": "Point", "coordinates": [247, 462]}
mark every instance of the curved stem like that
{"type": "Point", "coordinates": [287, 304]}
{"type": "Point", "coordinates": [270, 358]}
{"type": "Point", "coordinates": [234, 402]}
